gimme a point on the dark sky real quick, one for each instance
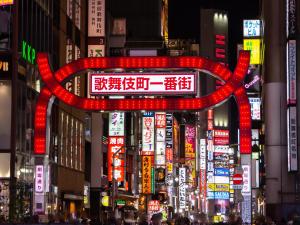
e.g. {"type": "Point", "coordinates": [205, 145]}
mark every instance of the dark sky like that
{"type": "Point", "coordinates": [184, 19]}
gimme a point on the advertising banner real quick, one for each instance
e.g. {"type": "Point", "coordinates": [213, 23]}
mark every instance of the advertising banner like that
{"type": "Point", "coordinates": [148, 133]}
{"type": "Point", "coordinates": [252, 28]}
{"type": "Point", "coordinates": [116, 124]}
{"type": "Point", "coordinates": [182, 188]}
{"type": "Point", "coordinates": [254, 45]}
{"type": "Point", "coordinates": [246, 180]}
{"type": "Point", "coordinates": [255, 104]}
{"type": "Point", "coordinates": [39, 178]}
{"type": "Point", "coordinates": [291, 72]}
{"type": "Point", "coordinates": [116, 144]}
{"type": "Point", "coordinates": [190, 153]}
{"type": "Point", "coordinates": [96, 18]}
{"type": "Point", "coordinates": [146, 174]}
{"type": "Point", "coordinates": [292, 139]}
{"type": "Point", "coordinates": [291, 18]}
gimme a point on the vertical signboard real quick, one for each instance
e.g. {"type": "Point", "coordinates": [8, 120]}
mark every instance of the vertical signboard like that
{"type": "Point", "coordinates": [147, 174]}
{"type": "Point", "coordinates": [96, 32]}
{"type": "Point", "coordinates": [116, 124]}
{"type": "Point", "coordinates": [291, 20]}
{"type": "Point", "coordinates": [160, 151]}
{"type": "Point", "coordinates": [251, 28]}
{"type": "Point", "coordinates": [190, 153]}
{"type": "Point", "coordinates": [253, 45]}
{"type": "Point", "coordinates": [39, 189]}
{"type": "Point", "coordinates": [291, 72]}
{"type": "Point", "coordinates": [115, 160]}
{"type": "Point", "coordinates": [203, 167]}
{"type": "Point", "coordinates": [148, 133]}
{"type": "Point", "coordinates": [182, 188]}
{"type": "Point", "coordinates": [292, 139]}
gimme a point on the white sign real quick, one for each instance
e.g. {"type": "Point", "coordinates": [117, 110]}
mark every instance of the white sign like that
{"type": "Point", "coordinates": [255, 108]}
{"type": "Point", "coordinates": [160, 153]}
{"type": "Point", "coordinates": [203, 154]}
{"type": "Point", "coordinates": [291, 72]}
{"type": "Point", "coordinates": [246, 180]}
{"type": "Point", "coordinates": [292, 139]}
{"type": "Point", "coordinates": [128, 84]}
{"type": "Point", "coordinates": [221, 148]}
{"type": "Point", "coordinates": [116, 124]}
{"type": "Point", "coordinates": [182, 188]}
{"type": "Point", "coordinates": [96, 18]}
{"type": "Point", "coordinates": [39, 178]}
{"type": "Point", "coordinates": [160, 134]}
{"type": "Point", "coordinates": [252, 28]}
{"type": "Point", "coordinates": [148, 134]}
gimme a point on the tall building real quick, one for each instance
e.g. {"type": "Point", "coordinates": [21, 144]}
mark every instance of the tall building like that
{"type": "Point", "coordinates": [281, 28]}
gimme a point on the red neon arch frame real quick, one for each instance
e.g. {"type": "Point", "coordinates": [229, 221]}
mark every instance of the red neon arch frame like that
{"type": "Point", "coordinates": [233, 86]}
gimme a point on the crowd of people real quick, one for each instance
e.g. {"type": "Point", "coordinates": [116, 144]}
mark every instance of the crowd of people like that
{"type": "Point", "coordinates": [156, 219]}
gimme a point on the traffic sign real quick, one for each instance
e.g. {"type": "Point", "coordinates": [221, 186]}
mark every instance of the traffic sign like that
{"type": "Point", "coordinates": [237, 179]}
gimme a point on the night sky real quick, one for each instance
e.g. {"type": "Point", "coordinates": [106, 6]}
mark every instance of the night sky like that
{"type": "Point", "coordinates": [184, 18]}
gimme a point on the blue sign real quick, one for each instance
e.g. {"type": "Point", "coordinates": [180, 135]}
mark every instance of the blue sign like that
{"type": "Point", "coordinates": [221, 195]}
{"type": "Point", "coordinates": [222, 172]}
{"type": "Point", "coordinates": [217, 195]}
{"type": "Point", "coordinates": [148, 114]}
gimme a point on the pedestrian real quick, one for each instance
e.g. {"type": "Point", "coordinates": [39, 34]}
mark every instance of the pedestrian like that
{"type": "Point", "coordinates": [156, 219]}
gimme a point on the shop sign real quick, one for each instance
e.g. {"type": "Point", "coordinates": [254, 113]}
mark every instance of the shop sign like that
{"type": "Point", "coordinates": [160, 120]}
{"type": "Point", "coordinates": [116, 124]}
{"type": "Point", "coordinates": [153, 206]}
{"type": "Point", "coordinates": [292, 139]}
{"type": "Point", "coordinates": [96, 18]}
{"type": "Point", "coordinates": [218, 187]}
{"type": "Point", "coordinates": [147, 174]}
{"type": "Point", "coordinates": [182, 188]}
{"type": "Point", "coordinates": [255, 104]}
{"type": "Point", "coordinates": [5, 65]}
{"type": "Point", "coordinates": [252, 28]}
{"type": "Point", "coordinates": [190, 135]}
{"type": "Point", "coordinates": [221, 149]}
{"type": "Point", "coordinates": [246, 180]}
{"type": "Point", "coordinates": [120, 202]}
{"type": "Point", "coordinates": [221, 172]}
{"type": "Point", "coordinates": [6, 2]}
{"type": "Point", "coordinates": [291, 72]}
{"type": "Point", "coordinates": [254, 45]}
{"type": "Point", "coordinates": [116, 144]}
{"type": "Point", "coordinates": [39, 178]}
{"type": "Point", "coordinates": [145, 84]}
{"type": "Point", "coordinates": [148, 134]}
{"type": "Point", "coordinates": [28, 52]}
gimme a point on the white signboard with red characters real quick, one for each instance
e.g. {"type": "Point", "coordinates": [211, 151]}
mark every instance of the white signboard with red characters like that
{"type": "Point", "coordinates": [39, 178]}
{"type": "Point", "coordinates": [153, 206]}
{"type": "Point", "coordinates": [146, 84]}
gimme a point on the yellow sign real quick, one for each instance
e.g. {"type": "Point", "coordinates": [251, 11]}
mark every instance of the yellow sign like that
{"type": "Point", "coordinates": [254, 45]}
{"type": "Point", "coordinates": [6, 2]}
{"type": "Point", "coordinates": [169, 167]}
{"type": "Point", "coordinates": [217, 187]}
{"type": "Point", "coordinates": [146, 174]}
{"type": "Point", "coordinates": [105, 201]}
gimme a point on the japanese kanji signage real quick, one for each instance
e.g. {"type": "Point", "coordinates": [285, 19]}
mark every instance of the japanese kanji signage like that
{"type": "Point", "coordinates": [292, 139]}
{"type": "Point", "coordinates": [6, 2]}
{"type": "Point", "coordinates": [39, 178]}
{"type": "Point", "coordinates": [115, 162]}
{"type": "Point", "coordinates": [190, 155]}
{"type": "Point", "coordinates": [146, 174]}
{"type": "Point", "coordinates": [247, 180]}
{"type": "Point", "coordinates": [153, 206]}
{"type": "Point", "coordinates": [96, 18]}
{"type": "Point", "coordinates": [252, 28]}
{"type": "Point", "coordinates": [291, 18]}
{"type": "Point", "coordinates": [160, 150]}
{"type": "Point", "coordinates": [116, 124]}
{"type": "Point", "coordinates": [146, 84]}
{"type": "Point", "coordinates": [254, 45]}
{"type": "Point", "coordinates": [182, 188]}
{"type": "Point", "coordinates": [148, 134]}
{"type": "Point", "coordinates": [291, 72]}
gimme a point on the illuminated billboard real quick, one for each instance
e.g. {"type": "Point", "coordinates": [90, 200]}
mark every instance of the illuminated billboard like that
{"type": "Point", "coordinates": [253, 45]}
{"type": "Point", "coordinates": [292, 139]}
{"type": "Point", "coordinates": [146, 84]}
{"type": "Point", "coordinates": [252, 28]}
{"type": "Point", "coordinates": [182, 188]}
{"type": "Point", "coordinates": [147, 174]}
{"type": "Point", "coordinates": [255, 108]}
{"type": "Point", "coordinates": [116, 124]}
{"type": "Point", "coordinates": [115, 162]}
{"type": "Point", "coordinates": [148, 133]}
{"type": "Point", "coordinates": [6, 2]}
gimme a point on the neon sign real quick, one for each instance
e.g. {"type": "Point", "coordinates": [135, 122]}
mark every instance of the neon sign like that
{"type": "Point", "coordinates": [28, 52]}
{"type": "Point", "coordinates": [232, 86]}
{"type": "Point", "coordinates": [255, 79]}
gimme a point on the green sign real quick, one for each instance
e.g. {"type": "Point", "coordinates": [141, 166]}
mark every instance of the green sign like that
{"type": "Point", "coordinates": [120, 202]}
{"type": "Point", "coordinates": [28, 52]}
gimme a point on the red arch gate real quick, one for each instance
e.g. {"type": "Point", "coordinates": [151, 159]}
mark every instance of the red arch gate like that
{"type": "Point", "coordinates": [233, 86]}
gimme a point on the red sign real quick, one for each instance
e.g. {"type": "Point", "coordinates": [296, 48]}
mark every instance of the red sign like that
{"type": "Point", "coordinates": [153, 205]}
{"type": "Point", "coordinates": [115, 144]}
{"type": "Point", "coordinates": [160, 120]}
{"type": "Point", "coordinates": [237, 179]}
{"type": "Point", "coordinates": [142, 83]}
